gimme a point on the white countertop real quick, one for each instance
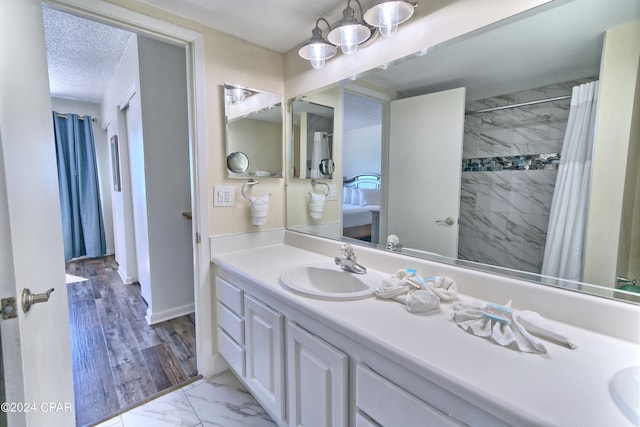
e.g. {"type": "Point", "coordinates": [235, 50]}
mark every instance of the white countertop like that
{"type": "Point", "coordinates": [561, 388]}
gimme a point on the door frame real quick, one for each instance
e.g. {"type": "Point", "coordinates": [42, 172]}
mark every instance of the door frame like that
{"type": "Point", "coordinates": [193, 42]}
{"type": "Point", "coordinates": [385, 99]}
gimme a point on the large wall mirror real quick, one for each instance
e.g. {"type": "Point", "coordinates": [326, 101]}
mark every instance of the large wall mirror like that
{"type": "Point", "coordinates": [454, 154]}
{"type": "Point", "coordinates": [254, 128]}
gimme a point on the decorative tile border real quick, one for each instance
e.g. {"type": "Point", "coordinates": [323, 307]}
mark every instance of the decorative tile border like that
{"type": "Point", "coordinates": [520, 162]}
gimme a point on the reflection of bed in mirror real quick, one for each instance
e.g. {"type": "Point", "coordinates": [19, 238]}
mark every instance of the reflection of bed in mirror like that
{"type": "Point", "coordinates": [361, 207]}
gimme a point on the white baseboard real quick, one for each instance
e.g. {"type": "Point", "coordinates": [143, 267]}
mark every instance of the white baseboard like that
{"type": "Point", "coordinates": [126, 279]}
{"type": "Point", "coordinates": [218, 364]}
{"type": "Point", "coordinates": [172, 313]}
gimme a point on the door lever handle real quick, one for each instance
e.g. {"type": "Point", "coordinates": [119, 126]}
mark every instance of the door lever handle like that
{"type": "Point", "coordinates": [28, 299]}
{"type": "Point", "coordinates": [448, 221]}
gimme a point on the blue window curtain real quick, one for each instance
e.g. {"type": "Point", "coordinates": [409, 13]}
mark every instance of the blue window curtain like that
{"type": "Point", "coordinates": [82, 224]}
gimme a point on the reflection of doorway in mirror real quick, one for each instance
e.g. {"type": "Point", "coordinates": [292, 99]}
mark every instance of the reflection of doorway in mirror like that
{"type": "Point", "coordinates": [361, 155]}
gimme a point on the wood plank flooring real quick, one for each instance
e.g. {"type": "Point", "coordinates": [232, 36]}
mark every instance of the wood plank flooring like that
{"type": "Point", "coordinates": [118, 359]}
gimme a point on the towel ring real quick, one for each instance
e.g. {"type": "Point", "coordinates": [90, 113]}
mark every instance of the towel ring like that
{"type": "Point", "coordinates": [315, 182]}
{"type": "Point", "coordinates": [244, 186]}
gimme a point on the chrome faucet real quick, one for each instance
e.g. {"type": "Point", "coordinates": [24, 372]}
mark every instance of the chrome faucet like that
{"type": "Point", "coordinates": [348, 260]}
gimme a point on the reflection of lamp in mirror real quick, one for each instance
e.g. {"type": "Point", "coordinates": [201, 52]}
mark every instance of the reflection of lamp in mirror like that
{"type": "Point", "coordinates": [318, 49]}
{"type": "Point", "coordinates": [349, 32]}
{"type": "Point", "coordinates": [235, 94]}
{"type": "Point", "coordinates": [387, 15]}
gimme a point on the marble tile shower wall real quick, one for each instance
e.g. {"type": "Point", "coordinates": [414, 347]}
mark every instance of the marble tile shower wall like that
{"type": "Point", "coordinates": [504, 214]}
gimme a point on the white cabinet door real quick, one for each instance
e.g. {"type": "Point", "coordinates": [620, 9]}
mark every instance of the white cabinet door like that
{"type": "Point", "coordinates": [265, 355]}
{"type": "Point", "coordinates": [317, 380]}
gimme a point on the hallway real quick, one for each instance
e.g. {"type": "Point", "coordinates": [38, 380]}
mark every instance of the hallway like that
{"type": "Point", "coordinates": [118, 359]}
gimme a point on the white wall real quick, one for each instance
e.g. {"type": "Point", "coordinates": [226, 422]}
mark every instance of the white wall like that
{"type": "Point", "coordinates": [154, 140]}
{"type": "Point", "coordinates": [609, 225]}
{"type": "Point", "coordinates": [362, 151]}
{"type": "Point", "coordinates": [163, 95]}
{"type": "Point", "coordinates": [124, 79]}
{"type": "Point", "coordinates": [103, 159]}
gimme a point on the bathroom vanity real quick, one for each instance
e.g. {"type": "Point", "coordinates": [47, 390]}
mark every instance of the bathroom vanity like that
{"type": "Point", "coordinates": [369, 362]}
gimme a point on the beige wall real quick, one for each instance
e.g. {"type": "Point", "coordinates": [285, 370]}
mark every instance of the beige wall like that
{"type": "Point", "coordinates": [609, 223]}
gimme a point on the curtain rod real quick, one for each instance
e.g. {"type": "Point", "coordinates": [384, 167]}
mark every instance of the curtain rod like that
{"type": "Point", "coordinates": [522, 104]}
{"type": "Point", "coordinates": [64, 116]}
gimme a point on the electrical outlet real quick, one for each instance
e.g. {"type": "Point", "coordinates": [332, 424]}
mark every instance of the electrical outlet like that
{"type": "Point", "coordinates": [333, 192]}
{"type": "Point", "coordinates": [223, 196]}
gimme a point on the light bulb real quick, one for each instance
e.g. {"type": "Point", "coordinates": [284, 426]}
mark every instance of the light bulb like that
{"type": "Point", "coordinates": [388, 19]}
{"type": "Point", "coordinates": [348, 39]}
{"type": "Point", "coordinates": [318, 54]}
{"type": "Point", "coordinates": [238, 94]}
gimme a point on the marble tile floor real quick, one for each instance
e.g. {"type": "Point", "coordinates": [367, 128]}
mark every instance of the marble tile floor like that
{"type": "Point", "coordinates": [218, 401]}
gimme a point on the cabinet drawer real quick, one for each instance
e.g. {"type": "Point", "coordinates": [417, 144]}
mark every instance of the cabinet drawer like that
{"type": "Point", "coordinates": [233, 353]}
{"type": "Point", "coordinates": [232, 324]}
{"type": "Point", "coordinates": [230, 296]}
{"type": "Point", "coordinates": [389, 405]}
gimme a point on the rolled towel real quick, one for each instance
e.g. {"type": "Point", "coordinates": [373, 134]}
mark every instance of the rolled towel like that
{"type": "Point", "coordinates": [419, 295]}
{"type": "Point", "coordinates": [316, 205]}
{"type": "Point", "coordinates": [507, 327]}
{"type": "Point", "coordinates": [259, 209]}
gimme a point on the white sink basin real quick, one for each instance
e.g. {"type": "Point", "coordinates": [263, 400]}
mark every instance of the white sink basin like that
{"type": "Point", "coordinates": [328, 281]}
{"type": "Point", "coordinates": [625, 389]}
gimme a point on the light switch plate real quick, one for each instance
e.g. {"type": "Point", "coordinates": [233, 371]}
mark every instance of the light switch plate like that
{"type": "Point", "coordinates": [333, 192]}
{"type": "Point", "coordinates": [223, 196]}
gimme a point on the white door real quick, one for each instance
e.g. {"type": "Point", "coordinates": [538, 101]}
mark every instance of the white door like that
{"type": "Point", "coordinates": [425, 160]}
{"type": "Point", "coordinates": [36, 345]}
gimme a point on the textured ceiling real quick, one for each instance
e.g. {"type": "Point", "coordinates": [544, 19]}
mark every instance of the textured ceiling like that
{"type": "Point", "coordinates": [82, 55]}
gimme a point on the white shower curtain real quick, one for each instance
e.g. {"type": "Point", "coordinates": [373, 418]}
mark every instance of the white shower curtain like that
{"type": "Point", "coordinates": [563, 255]}
{"type": "Point", "coordinates": [319, 151]}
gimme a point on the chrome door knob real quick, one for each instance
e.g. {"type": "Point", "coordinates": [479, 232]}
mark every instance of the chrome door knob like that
{"type": "Point", "coordinates": [448, 221]}
{"type": "Point", "coordinates": [28, 299]}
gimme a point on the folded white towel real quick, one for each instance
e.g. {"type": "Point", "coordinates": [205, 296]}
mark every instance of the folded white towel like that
{"type": "Point", "coordinates": [507, 327]}
{"type": "Point", "coordinates": [259, 209]}
{"type": "Point", "coordinates": [316, 205]}
{"type": "Point", "coordinates": [419, 295]}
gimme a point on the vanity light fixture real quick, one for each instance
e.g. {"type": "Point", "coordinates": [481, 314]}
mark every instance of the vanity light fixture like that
{"type": "Point", "coordinates": [318, 49]}
{"type": "Point", "coordinates": [387, 15]}
{"type": "Point", "coordinates": [349, 32]}
{"type": "Point", "coordinates": [383, 17]}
